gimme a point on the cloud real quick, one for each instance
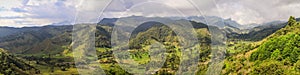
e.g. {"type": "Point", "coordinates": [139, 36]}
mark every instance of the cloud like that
{"type": "Point", "coordinates": [259, 11]}
{"type": "Point", "coordinates": [43, 12]}
{"type": "Point", "coordinates": [36, 12]}
{"type": "Point", "coordinates": [161, 8]}
{"type": "Point", "coordinates": [7, 4]}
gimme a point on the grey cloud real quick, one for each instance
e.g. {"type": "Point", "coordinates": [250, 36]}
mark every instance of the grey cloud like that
{"type": "Point", "coordinates": [258, 11]}
{"type": "Point", "coordinates": [116, 6]}
{"type": "Point", "coordinates": [155, 9]}
{"type": "Point", "coordinates": [122, 5]}
{"type": "Point", "coordinates": [243, 11]}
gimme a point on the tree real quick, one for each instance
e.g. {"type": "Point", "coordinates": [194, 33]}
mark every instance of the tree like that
{"type": "Point", "coordinates": [276, 55]}
{"type": "Point", "coordinates": [292, 21]}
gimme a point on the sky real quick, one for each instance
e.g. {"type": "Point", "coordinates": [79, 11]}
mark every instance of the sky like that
{"type": "Point", "coordinates": [20, 13]}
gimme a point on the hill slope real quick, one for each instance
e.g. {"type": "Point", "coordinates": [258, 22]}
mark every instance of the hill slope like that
{"type": "Point", "coordinates": [282, 47]}
{"type": "Point", "coordinates": [35, 40]}
{"type": "Point", "coordinates": [276, 54]}
{"type": "Point", "coordinates": [10, 65]}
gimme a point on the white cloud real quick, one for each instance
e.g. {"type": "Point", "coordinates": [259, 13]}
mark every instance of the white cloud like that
{"type": "Point", "coordinates": [37, 12]}
{"type": "Point", "coordinates": [11, 14]}
{"type": "Point", "coordinates": [7, 4]}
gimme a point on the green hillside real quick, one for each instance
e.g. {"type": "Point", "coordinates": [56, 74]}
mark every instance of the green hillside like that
{"type": "Point", "coordinates": [282, 48]}
{"type": "Point", "coordinates": [275, 55]}
{"type": "Point", "coordinates": [11, 65]}
{"type": "Point", "coordinates": [39, 40]}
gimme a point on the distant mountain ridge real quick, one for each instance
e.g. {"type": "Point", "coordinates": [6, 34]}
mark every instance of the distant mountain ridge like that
{"type": "Point", "coordinates": [5, 31]}
{"type": "Point", "coordinates": [47, 38]}
{"type": "Point", "coordinates": [215, 21]}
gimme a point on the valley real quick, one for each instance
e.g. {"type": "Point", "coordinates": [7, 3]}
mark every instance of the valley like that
{"type": "Point", "coordinates": [272, 48]}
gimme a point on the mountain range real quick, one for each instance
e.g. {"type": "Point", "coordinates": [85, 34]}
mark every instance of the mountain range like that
{"type": "Point", "coordinates": [43, 39]}
{"type": "Point", "coordinates": [40, 44]}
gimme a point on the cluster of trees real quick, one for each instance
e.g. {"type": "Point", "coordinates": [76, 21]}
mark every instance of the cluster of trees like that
{"type": "Point", "coordinates": [237, 47]}
{"type": "Point", "coordinates": [280, 48]}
